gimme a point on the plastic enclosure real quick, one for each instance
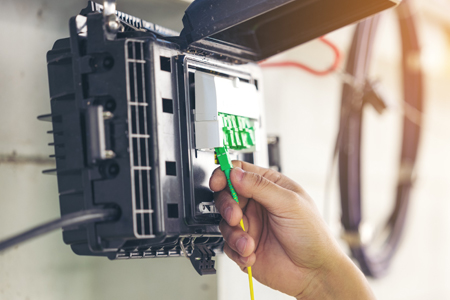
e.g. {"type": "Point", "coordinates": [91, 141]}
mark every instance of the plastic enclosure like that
{"type": "Point", "coordinates": [123, 127]}
{"type": "Point", "coordinates": [136, 118]}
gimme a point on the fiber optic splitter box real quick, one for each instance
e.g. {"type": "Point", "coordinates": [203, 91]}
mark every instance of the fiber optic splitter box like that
{"type": "Point", "coordinates": [138, 109]}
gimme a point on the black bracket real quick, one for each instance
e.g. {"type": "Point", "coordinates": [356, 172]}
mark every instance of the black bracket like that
{"type": "Point", "coordinates": [201, 259]}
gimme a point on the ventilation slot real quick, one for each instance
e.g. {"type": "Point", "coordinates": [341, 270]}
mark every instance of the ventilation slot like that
{"type": "Point", "coordinates": [165, 63]}
{"type": "Point", "coordinates": [139, 139]}
{"type": "Point", "coordinates": [171, 168]}
{"type": "Point", "coordinates": [168, 106]}
{"type": "Point", "coordinates": [172, 211]}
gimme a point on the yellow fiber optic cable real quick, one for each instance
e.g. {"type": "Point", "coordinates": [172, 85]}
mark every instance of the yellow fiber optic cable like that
{"type": "Point", "coordinates": [226, 166]}
{"type": "Point", "coordinates": [249, 271]}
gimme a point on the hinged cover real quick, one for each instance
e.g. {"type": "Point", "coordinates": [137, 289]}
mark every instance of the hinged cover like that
{"type": "Point", "coordinates": [254, 30]}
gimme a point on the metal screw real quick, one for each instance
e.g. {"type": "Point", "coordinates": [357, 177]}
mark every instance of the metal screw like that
{"type": "Point", "coordinates": [113, 26]}
{"type": "Point", "coordinates": [107, 115]}
{"type": "Point", "coordinates": [109, 154]}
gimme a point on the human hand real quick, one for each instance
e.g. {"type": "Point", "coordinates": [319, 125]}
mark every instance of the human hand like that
{"type": "Point", "coordinates": [286, 241]}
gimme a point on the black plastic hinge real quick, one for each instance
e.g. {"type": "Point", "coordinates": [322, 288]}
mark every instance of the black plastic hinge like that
{"type": "Point", "coordinates": [201, 259]}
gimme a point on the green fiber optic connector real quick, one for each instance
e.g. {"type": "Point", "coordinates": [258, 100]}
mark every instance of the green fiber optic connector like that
{"type": "Point", "coordinates": [238, 134]}
{"type": "Point", "coordinates": [225, 165]}
{"type": "Point", "coordinates": [223, 158]}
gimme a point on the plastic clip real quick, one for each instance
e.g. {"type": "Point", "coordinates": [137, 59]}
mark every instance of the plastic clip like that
{"type": "Point", "coordinates": [201, 259]}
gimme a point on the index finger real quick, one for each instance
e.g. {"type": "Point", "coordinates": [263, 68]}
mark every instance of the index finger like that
{"type": "Point", "coordinates": [218, 180]}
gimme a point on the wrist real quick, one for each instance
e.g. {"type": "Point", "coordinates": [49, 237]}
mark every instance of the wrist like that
{"type": "Point", "coordinates": [340, 279]}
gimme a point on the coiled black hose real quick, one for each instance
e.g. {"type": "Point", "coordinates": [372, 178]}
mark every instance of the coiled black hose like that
{"type": "Point", "coordinates": [349, 140]}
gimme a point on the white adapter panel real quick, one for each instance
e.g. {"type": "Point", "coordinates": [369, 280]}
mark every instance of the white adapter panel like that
{"type": "Point", "coordinates": [216, 96]}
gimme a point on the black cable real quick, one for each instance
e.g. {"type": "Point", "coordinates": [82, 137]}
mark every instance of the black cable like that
{"type": "Point", "coordinates": [69, 220]}
{"type": "Point", "coordinates": [374, 261]}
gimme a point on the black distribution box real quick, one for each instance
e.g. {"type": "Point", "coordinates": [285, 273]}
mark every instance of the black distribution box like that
{"type": "Point", "coordinates": [123, 103]}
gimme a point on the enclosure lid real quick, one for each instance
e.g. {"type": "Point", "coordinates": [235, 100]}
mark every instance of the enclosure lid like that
{"type": "Point", "coordinates": [257, 29]}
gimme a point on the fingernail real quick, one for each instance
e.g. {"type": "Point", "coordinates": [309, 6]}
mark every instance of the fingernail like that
{"type": "Point", "coordinates": [239, 173]}
{"type": "Point", "coordinates": [243, 260]}
{"type": "Point", "coordinates": [227, 214]}
{"type": "Point", "coordinates": [241, 244]}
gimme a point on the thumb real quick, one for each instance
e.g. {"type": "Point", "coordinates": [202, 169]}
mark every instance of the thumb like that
{"type": "Point", "coordinates": [273, 197]}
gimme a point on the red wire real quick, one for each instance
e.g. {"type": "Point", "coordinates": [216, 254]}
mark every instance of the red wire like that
{"type": "Point", "coordinates": [288, 63]}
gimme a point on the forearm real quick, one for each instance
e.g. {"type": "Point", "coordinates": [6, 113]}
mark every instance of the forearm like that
{"type": "Point", "coordinates": [341, 280]}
